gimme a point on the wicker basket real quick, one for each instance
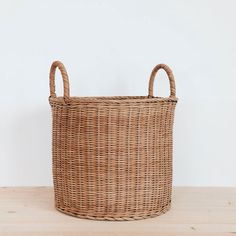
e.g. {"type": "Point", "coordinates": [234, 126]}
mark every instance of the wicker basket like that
{"type": "Point", "coordinates": [112, 156]}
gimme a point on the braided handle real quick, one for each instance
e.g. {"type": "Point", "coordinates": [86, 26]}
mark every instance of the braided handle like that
{"type": "Point", "coordinates": [61, 67]}
{"type": "Point", "coordinates": [170, 76]}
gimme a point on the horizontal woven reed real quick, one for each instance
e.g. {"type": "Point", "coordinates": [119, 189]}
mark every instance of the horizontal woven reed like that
{"type": "Point", "coordinates": [112, 156]}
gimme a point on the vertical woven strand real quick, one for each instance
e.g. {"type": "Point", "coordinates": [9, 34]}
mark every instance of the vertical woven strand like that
{"type": "Point", "coordinates": [127, 196]}
{"type": "Point", "coordinates": [97, 165]}
{"type": "Point", "coordinates": [111, 160]}
{"type": "Point", "coordinates": [79, 156]}
{"type": "Point", "coordinates": [156, 162]}
{"type": "Point", "coordinates": [138, 177]}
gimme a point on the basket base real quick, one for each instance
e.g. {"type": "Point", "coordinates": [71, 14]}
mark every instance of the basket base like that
{"type": "Point", "coordinates": [109, 218]}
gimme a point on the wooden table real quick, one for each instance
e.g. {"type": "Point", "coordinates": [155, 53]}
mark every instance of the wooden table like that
{"type": "Point", "coordinates": [195, 211]}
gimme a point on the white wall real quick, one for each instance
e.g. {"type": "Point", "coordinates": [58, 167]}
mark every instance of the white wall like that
{"type": "Point", "coordinates": [109, 48]}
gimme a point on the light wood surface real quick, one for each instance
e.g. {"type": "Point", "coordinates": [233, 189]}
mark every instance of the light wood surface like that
{"type": "Point", "coordinates": [195, 211]}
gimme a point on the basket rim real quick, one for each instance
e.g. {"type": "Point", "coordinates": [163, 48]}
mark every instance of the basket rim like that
{"type": "Point", "coordinates": [111, 99]}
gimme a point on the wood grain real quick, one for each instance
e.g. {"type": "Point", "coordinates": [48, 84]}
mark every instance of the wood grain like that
{"type": "Point", "coordinates": [195, 211]}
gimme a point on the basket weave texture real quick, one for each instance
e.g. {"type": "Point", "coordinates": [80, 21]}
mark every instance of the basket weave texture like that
{"type": "Point", "coordinates": [112, 156]}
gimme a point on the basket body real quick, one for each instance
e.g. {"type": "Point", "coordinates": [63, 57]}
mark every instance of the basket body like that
{"type": "Point", "coordinates": [112, 157]}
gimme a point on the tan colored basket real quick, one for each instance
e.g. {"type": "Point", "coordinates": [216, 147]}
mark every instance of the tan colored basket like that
{"type": "Point", "coordinates": [112, 156]}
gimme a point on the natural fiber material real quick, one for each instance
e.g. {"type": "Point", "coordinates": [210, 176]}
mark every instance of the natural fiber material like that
{"type": "Point", "coordinates": [112, 156]}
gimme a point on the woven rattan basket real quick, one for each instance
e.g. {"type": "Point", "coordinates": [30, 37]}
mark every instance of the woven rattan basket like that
{"type": "Point", "coordinates": [112, 156]}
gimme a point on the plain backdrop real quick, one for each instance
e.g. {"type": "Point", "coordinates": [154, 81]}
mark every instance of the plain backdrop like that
{"type": "Point", "coordinates": [109, 48]}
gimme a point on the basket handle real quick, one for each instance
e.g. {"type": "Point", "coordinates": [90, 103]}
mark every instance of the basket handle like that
{"type": "Point", "coordinates": [170, 76]}
{"type": "Point", "coordinates": [66, 85]}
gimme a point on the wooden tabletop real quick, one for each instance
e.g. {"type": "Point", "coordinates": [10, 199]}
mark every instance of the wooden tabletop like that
{"type": "Point", "coordinates": [195, 211]}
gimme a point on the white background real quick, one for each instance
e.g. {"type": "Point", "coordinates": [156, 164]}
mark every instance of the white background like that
{"type": "Point", "coordinates": [109, 48]}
